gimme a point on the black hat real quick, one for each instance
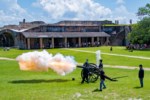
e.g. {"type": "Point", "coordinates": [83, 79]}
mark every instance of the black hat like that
{"type": "Point", "coordinates": [140, 65]}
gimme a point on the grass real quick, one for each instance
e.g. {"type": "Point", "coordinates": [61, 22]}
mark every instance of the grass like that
{"type": "Point", "coordinates": [12, 53]}
{"type": "Point", "coordinates": [26, 85]}
{"type": "Point", "coordinates": [116, 25]}
{"type": "Point", "coordinates": [119, 50]}
{"type": "Point", "coordinates": [107, 59]}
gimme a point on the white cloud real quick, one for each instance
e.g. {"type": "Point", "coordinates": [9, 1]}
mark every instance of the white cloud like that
{"type": "Point", "coordinates": [83, 10]}
{"type": "Point", "coordinates": [12, 12]}
{"type": "Point", "coordinates": [5, 18]}
{"type": "Point", "coordinates": [120, 1]}
{"type": "Point", "coordinates": [123, 15]}
{"type": "Point", "coordinates": [121, 10]}
{"type": "Point", "coordinates": [12, 6]}
{"type": "Point", "coordinates": [56, 10]}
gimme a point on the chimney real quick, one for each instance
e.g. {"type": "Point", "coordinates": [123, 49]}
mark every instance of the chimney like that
{"type": "Point", "coordinates": [130, 21]}
{"type": "Point", "coordinates": [24, 20]}
{"type": "Point", "coordinates": [116, 21]}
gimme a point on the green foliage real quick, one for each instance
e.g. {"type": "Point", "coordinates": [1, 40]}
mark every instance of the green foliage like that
{"type": "Point", "coordinates": [140, 33]}
{"type": "Point", "coordinates": [144, 10]}
{"type": "Point", "coordinates": [115, 25]}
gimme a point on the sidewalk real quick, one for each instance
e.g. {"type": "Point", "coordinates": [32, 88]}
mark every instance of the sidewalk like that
{"type": "Point", "coordinates": [107, 66]}
{"type": "Point", "coordinates": [120, 67]}
{"type": "Point", "coordinates": [4, 58]}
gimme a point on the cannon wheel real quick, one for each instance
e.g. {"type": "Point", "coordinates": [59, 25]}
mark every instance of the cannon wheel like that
{"type": "Point", "coordinates": [92, 73]}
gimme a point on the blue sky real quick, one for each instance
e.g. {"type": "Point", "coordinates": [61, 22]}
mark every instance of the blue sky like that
{"type": "Point", "coordinates": [51, 11]}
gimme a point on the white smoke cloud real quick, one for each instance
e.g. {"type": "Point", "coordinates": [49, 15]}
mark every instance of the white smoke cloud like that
{"type": "Point", "coordinates": [98, 57]}
{"type": "Point", "coordinates": [42, 61]}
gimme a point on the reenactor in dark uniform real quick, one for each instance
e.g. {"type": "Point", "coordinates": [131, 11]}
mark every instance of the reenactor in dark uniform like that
{"type": "Point", "coordinates": [102, 80]}
{"type": "Point", "coordinates": [100, 64]}
{"type": "Point", "coordinates": [141, 75]}
{"type": "Point", "coordinates": [85, 71]}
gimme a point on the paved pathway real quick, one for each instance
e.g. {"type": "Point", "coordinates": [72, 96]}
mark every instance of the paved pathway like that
{"type": "Point", "coordinates": [139, 57]}
{"type": "Point", "coordinates": [125, 67]}
{"type": "Point", "coordinates": [109, 66]}
{"type": "Point", "coordinates": [4, 58]}
{"type": "Point", "coordinates": [120, 67]}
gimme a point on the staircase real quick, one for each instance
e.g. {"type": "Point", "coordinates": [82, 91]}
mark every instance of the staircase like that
{"type": "Point", "coordinates": [120, 37]}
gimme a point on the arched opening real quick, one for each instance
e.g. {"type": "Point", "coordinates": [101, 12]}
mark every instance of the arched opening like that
{"type": "Point", "coordinates": [6, 39]}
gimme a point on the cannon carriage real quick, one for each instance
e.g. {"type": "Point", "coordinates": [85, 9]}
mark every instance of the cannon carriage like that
{"type": "Point", "coordinates": [94, 72]}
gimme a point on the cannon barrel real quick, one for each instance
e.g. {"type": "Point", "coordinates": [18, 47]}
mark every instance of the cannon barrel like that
{"type": "Point", "coordinates": [95, 72]}
{"type": "Point", "coordinates": [79, 66]}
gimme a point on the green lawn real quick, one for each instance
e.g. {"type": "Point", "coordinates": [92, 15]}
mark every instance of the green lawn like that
{"type": "Point", "coordinates": [25, 85]}
{"type": "Point", "coordinates": [107, 59]}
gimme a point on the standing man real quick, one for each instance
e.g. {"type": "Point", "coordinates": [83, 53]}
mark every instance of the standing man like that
{"type": "Point", "coordinates": [102, 80]}
{"type": "Point", "coordinates": [111, 48]}
{"type": "Point", "coordinates": [141, 74]}
{"type": "Point", "coordinates": [85, 71]}
{"type": "Point", "coordinates": [103, 76]}
{"type": "Point", "coordinates": [100, 64]}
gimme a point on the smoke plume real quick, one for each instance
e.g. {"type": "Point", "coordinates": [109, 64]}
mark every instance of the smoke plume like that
{"type": "Point", "coordinates": [42, 61]}
{"type": "Point", "coordinates": [98, 57]}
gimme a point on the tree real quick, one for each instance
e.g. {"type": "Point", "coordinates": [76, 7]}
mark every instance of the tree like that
{"type": "Point", "coordinates": [140, 33]}
{"type": "Point", "coordinates": [144, 11]}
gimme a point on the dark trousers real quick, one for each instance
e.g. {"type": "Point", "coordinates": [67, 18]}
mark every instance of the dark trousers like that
{"type": "Point", "coordinates": [85, 77]}
{"type": "Point", "coordinates": [141, 82]}
{"type": "Point", "coordinates": [102, 84]}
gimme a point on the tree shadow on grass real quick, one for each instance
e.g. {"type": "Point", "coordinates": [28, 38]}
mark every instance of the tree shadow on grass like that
{"type": "Point", "coordinates": [37, 81]}
{"type": "Point", "coordinates": [137, 87]}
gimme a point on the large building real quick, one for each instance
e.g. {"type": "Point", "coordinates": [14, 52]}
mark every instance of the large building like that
{"type": "Point", "coordinates": [38, 34]}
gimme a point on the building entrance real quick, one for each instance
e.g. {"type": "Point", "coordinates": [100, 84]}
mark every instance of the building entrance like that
{"type": "Point", "coordinates": [6, 40]}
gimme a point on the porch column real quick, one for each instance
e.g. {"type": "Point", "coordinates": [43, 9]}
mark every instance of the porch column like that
{"type": "Point", "coordinates": [92, 41]}
{"type": "Point", "coordinates": [28, 43]}
{"type": "Point", "coordinates": [41, 43]}
{"type": "Point", "coordinates": [16, 41]}
{"type": "Point", "coordinates": [102, 38]}
{"type": "Point", "coordinates": [52, 42]}
{"type": "Point", "coordinates": [97, 39]}
{"type": "Point", "coordinates": [65, 42]}
{"type": "Point", "coordinates": [98, 42]}
{"type": "Point", "coordinates": [107, 40]}
{"type": "Point", "coordinates": [79, 41]}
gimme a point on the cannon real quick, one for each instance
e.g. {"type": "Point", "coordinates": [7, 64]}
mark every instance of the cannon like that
{"type": "Point", "coordinates": [93, 72]}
